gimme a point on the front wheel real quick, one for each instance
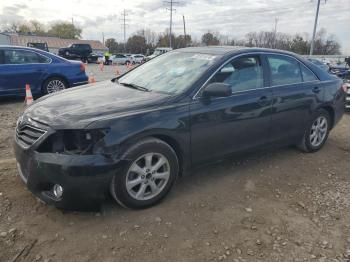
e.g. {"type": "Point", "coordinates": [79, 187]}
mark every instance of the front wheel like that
{"type": "Point", "coordinates": [317, 133]}
{"type": "Point", "coordinates": [152, 171]}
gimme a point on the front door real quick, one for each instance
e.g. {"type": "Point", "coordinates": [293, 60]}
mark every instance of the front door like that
{"type": "Point", "coordinates": [221, 126]}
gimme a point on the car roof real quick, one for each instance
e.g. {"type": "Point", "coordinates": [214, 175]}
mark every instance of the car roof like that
{"type": "Point", "coordinates": [25, 48]}
{"type": "Point", "coordinates": [227, 50]}
{"type": "Point", "coordinates": [18, 47]}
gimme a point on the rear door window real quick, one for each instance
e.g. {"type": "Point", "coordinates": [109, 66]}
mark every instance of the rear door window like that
{"type": "Point", "coordinates": [14, 57]}
{"type": "Point", "coordinates": [284, 70]}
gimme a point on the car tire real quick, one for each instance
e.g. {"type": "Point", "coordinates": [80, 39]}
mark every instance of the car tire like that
{"type": "Point", "coordinates": [317, 132]}
{"type": "Point", "coordinates": [140, 184]}
{"type": "Point", "coordinates": [53, 85]}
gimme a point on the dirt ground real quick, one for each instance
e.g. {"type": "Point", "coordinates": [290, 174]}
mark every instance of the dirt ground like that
{"type": "Point", "coordinates": [279, 205]}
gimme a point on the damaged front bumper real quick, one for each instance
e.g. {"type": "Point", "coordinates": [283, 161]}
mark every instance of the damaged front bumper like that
{"type": "Point", "coordinates": [84, 179]}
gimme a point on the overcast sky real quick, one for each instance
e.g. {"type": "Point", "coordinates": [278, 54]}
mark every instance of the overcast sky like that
{"type": "Point", "coordinates": [230, 17]}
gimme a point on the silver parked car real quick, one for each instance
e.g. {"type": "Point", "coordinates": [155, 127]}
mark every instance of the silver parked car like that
{"type": "Point", "coordinates": [138, 58]}
{"type": "Point", "coordinates": [120, 59]}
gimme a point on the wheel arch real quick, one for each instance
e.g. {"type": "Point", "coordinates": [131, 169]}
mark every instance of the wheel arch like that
{"type": "Point", "coordinates": [173, 142]}
{"type": "Point", "coordinates": [331, 113]}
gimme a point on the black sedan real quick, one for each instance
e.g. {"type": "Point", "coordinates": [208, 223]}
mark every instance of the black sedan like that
{"type": "Point", "coordinates": [134, 136]}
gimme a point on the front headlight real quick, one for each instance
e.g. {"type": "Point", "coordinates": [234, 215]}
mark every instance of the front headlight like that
{"type": "Point", "coordinates": [74, 142]}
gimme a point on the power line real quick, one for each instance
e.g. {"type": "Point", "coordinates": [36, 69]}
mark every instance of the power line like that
{"type": "Point", "coordinates": [171, 3]}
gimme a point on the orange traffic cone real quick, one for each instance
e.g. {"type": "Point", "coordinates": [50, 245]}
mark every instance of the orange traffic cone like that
{"type": "Point", "coordinates": [117, 72]}
{"type": "Point", "coordinates": [101, 66]}
{"type": "Point", "coordinates": [92, 80]}
{"type": "Point", "coordinates": [29, 97]}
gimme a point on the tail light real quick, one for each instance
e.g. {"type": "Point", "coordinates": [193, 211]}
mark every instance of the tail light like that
{"type": "Point", "coordinates": [82, 67]}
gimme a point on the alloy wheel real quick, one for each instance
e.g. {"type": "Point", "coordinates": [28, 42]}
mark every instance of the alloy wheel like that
{"type": "Point", "coordinates": [318, 131]}
{"type": "Point", "coordinates": [54, 86]}
{"type": "Point", "coordinates": [147, 176]}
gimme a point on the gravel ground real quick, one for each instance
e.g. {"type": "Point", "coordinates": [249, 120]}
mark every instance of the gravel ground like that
{"type": "Point", "coordinates": [279, 205]}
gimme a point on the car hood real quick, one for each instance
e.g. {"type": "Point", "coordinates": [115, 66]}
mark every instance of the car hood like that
{"type": "Point", "coordinates": [80, 106]}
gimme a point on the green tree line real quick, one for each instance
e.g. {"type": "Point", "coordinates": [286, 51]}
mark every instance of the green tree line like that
{"type": "Point", "coordinates": [145, 41]}
{"type": "Point", "coordinates": [63, 30]}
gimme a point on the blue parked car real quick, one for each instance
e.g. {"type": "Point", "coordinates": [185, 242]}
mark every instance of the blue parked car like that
{"type": "Point", "coordinates": [44, 72]}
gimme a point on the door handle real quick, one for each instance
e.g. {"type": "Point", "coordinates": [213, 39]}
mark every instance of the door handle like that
{"type": "Point", "coordinates": [316, 90]}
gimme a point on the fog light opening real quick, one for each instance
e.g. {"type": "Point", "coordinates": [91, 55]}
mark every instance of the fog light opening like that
{"type": "Point", "coordinates": [57, 191]}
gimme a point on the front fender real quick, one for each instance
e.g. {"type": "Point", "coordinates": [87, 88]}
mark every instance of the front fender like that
{"type": "Point", "coordinates": [169, 124]}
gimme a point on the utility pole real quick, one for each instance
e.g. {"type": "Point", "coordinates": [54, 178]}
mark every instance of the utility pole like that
{"type": "Point", "coordinates": [171, 9]}
{"type": "Point", "coordinates": [103, 38]}
{"type": "Point", "coordinates": [124, 20]}
{"type": "Point", "coordinates": [183, 18]}
{"type": "Point", "coordinates": [315, 27]}
{"type": "Point", "coordinates": [275, 33]}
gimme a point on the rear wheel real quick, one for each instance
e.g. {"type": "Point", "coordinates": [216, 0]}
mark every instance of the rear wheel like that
{"type": "Point", "coordinates": [53, 85]}
{"type": "Point", "coordinates": [317, 132]}
{"type": "Point", "coordinates": [149, 176]}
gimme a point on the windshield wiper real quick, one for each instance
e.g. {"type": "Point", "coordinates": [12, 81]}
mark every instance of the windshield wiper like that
{"type": "Point", "coordinates": [131, 85]}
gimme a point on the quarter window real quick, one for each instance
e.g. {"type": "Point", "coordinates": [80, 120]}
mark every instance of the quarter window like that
{"type": "Point", "coordinates": [23, 57]}
{"type": "Point", "coordinates": [307, 74]}
{"type": "Point", "coordinates": [284, 70]}
{"type": "Point", "coordinates": [244, 73]}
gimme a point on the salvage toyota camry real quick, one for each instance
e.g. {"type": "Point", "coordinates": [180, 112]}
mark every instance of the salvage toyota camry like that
{"type": "Point", "coordinates": [133, 136]}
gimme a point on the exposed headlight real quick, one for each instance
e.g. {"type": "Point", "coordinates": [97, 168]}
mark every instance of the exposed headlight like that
{"type": "Point", "coordinates": [74, 142]}
{"type": "Point", "coordinates": [19, 120]}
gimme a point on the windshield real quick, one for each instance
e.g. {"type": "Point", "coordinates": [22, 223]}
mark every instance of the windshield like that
{"type": "Point", "coordinates": [171, 73]}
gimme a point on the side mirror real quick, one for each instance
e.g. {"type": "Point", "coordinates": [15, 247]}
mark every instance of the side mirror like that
{"type": "Point", "coordinates": [217, 90]}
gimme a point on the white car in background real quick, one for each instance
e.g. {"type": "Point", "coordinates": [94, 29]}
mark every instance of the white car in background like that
{"type": "Point", "coordinates": [138, 58]}
{"type": "Point", "coordinates": [121, 59]}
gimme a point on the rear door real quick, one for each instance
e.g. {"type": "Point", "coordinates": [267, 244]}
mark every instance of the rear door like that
{"type": "Point", "coordinates": [224, 125]}
{"type": "Point", "coordinates": [293, 98]}
{"type": "Point", "coordinates": [21, 67]}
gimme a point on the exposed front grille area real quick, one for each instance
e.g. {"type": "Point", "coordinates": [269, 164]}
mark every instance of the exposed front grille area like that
{"type": "Point", "coordinates": [348, 99]}
{"type": "Point", "coordinates": [27, 135]}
